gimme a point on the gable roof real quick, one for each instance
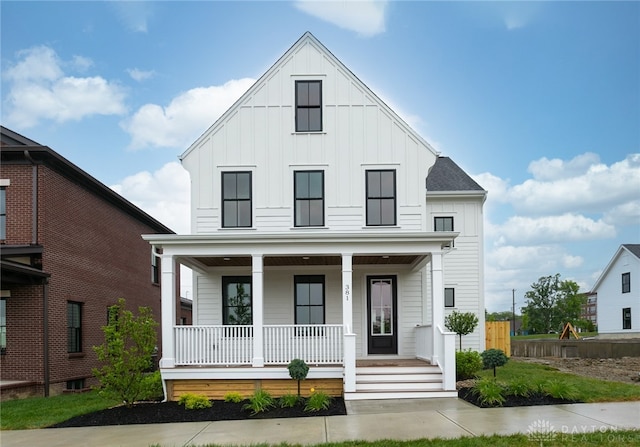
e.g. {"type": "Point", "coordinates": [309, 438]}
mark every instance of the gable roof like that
{"type": "Point", "coordinates": [634, 249]}
{"type": "Point", "coordinates": [445, 176]}
{"type": "Point", "coordinates": [19, 149]}
{"type": "Point", "coordinates": [306, 38]}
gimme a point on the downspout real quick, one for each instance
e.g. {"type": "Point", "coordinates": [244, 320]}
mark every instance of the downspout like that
{"type": "Point", "coordinates": [34, 198]}
{"type": "Point", "coordinates": [45, 334]}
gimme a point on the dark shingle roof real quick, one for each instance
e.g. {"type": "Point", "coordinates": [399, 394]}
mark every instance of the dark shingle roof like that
{"type": "Point", "coordinates": [633, 248]}
{"type": "Point", "coordinates": [445, 175]}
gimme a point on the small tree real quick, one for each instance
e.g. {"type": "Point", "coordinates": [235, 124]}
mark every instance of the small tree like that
{"type": "Point", "coordinates": [461, 323]}
{"type": "Point", "coordinates": [127, 351]}
{"type": "Point", "coordinates": [492, 358]}
{"type": "Point", "coordinates": [298, 370]}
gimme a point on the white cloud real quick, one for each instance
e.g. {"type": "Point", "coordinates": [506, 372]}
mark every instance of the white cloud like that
{"type": "Point", "coordinates": [134, 15]}
{"type": "Point", "coordinates": [39, 90]}
{"type": "Point", "coordinates": [557, 169]}
{"type": "Point", "coordinates": [140, 75]}
{"type": "Point", "coordinates": [81, 63]}
{"type": "Point", "coordinates": [185, 118]}
{"type": "Point", "coordinates": [366, 17]}
{"type": "Point", "coordinates": [164, 194]}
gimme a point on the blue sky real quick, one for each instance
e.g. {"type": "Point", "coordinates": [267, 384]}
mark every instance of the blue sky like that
{"type": "Point", "coordinates": [538, 101]}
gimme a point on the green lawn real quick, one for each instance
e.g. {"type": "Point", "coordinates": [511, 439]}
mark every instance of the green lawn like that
{"type": "Point", "coordinates": [589, 390]}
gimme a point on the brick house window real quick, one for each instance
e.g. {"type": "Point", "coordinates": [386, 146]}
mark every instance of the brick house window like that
{"type": "Point", "coordinates": [155, 268]}
{"type": "Point", "coordinates": [626, 282]}
{"type": "Point", "coordinates": [308, 106]}
{"type": "Point", "coordinates": [3, 326]}
{"type": "Point", "coordinates": [74, 327]}
{"type": "Point", "coordinates": [236, 199]}
{"type": "Point", "coordinates": [449, 297]}
{"type": "Point", "coordinates": [3, 213]}
{"type": "Point", "coordinates": [381, 197]}
{"type": "Point", "coordinates": [626, 318]}
{"type": "Point", "coordinates": [309, 198]}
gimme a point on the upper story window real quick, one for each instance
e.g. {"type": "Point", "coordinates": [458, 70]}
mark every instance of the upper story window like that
{"type": "Point", "coordinates": [236, 300]}
{"type": "Point", "coordinates": [309, 299]}
{"type": "Point", "coordinates": [236, 199]}
{"type": "Point", "coordinates": [626, 282]}
{"type": "Point", "coordinates": [3, 326]}
{"type": "Point", "coordinates": [155, 268]}
{"type": "Point", "coordinates": [308, 106]}
{"type": "Point", "coordinates": [3, 213]}
{"type": "Point", "coordinates": [309, 198]}
{"type": "Point", "coordinates": [381, 197]}
{"type": "Point", "coordinates": [443, 223]}
{"type": "Point", "coordinates": [74, 327]}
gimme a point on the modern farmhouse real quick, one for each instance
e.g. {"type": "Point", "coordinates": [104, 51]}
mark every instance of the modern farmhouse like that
{"type": "Point", "coordinates": [323, 228]}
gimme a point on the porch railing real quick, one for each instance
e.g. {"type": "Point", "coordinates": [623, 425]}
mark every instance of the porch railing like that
{"type": "Point", "coordinates": [233, 345]}
{"type": "Point", "coordinates": [315, 344]}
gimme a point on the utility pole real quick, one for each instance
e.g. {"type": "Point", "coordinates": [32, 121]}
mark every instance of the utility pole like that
{"type": "Point", "coordinates": [513, 309]}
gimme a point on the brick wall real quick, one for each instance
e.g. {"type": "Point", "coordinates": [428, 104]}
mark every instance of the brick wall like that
{"type": "Point", "coordinates": [95, 255]}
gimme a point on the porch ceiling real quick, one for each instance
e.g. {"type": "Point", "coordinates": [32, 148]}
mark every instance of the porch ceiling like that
{"type": "Point", "coordinates": [278, 261]}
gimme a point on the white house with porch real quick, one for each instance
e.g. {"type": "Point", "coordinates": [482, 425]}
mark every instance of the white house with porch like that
{"type": "Point", "coordinates": [323, 228]}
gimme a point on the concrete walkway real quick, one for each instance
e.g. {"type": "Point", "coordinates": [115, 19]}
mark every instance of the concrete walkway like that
{"type": "Point", "coordinates": [367, 420]}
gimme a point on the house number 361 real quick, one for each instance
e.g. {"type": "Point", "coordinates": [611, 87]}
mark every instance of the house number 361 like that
{"type": "Point", "coordinates": [346, 292]}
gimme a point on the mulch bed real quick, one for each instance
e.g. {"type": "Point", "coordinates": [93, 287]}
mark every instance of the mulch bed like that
{"type": "Point", "coordinates": [164, 412]}
{"type": "Point", "coordinates": [514, 401]}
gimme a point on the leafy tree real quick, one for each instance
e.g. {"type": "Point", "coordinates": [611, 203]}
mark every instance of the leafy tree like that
{"type": "Point", "coordinates": [492, 358]}
{"type": "Point", "coordinates": [462, 323]}
{"type": "Point", "coordinates": [127, 351]}
{"type": "Point", "coordinates": [551, 303]}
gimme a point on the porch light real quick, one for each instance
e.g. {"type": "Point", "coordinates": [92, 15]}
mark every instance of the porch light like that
{"type": "Point", "coordinates": [226, 259]}
{"type": "Point", "coordinates": [306, 258]}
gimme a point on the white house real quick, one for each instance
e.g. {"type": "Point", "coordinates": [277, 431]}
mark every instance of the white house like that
{"type": "Point", "coordinates": [323, 228]}
{"type": "Point", "coordinates": [618, 291]}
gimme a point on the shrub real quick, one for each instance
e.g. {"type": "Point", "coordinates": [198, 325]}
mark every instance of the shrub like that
{"type": "Point", "coordinates": [317, 401]}
{"type": "Point", "coordinates": [194, 401]}
{"type": "Point", "coordinates": [233, 396]}
{"type": "Point", "coordinates": [560, 390]}
{"type": "Point", "coordinates": [298, 370]}
{"type": "Point", "coordinates": [152, 386]}
{"type": "Point", "coordinates": [489, 392]}
{"type": "Point", "coordinates": [520, 388]}
{"type": "Point", "coordinates": [468, 363]}
{"type": "Point", "coordinates": [491, 358]}
{"type": "Point", "coordinates": [288, 401]}
{"type": "Point", "coordinates": [259, 402]}
{"type": "Point", "coordinates": [127, 351]}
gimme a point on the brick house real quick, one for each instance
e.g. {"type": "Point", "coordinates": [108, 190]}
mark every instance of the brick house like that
{"type": "Point", "coordinates": [70, 248]}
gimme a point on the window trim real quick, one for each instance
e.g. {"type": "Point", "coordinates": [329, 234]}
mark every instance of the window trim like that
{"type": "Point", "coordinates": [226, 280]}
{"type": "Point", "coordinates": [307, 107]}
{"type": "Point", "coordinates": [394, 197]}
{"type": "Point", "coordinates": [309, 200]}
{"type": "Point", "coordinates": [626, 322]}
{"type": "Point", "coordinates": [236, 200]}
{"type": "Point", "coordinates": [453, 297]}
{"type": "Point", "coordinates": [626, 282]}
{"type": "Point", "coordinates": [309, 279]}
{"type": "Point", "coordinates": [74, 333]}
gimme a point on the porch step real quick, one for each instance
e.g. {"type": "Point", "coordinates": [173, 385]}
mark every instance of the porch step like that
{"type": "Point", "coordinates": [398, 382]}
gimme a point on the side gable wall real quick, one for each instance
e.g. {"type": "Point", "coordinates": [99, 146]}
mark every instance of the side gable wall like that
{"type": "Point", "coordinates": [257, 134]}
{"type": "Point", "coordinates": [611, 300]}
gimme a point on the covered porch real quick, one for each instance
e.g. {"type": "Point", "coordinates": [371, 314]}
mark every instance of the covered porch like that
{"type": "Point", "coordinates": [356, 265]}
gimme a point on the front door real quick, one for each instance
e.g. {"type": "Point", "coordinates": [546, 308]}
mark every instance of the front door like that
{"type": "Point", "coordinates": [382, 315]}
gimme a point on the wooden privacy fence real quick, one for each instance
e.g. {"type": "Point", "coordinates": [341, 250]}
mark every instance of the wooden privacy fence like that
{"type": "Point", "coordinates": [498, 336]}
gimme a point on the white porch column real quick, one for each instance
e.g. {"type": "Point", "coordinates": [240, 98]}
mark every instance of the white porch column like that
{"type": "Point", "coordinates": [168, 311]}
{"type": "Point", "coordinates": [347, 322]}
{"type": "Point", "coordinates": [437, 304]}
{"type": "Point", "coordinates": [258, 310]}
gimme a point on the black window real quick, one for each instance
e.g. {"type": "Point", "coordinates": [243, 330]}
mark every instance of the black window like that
{"type": "Point", "coordinates": [236, 199]}
{"type": "Point", "coordinates": [443, 223]}
{"type": "Point", "coordinates": [309, 198]}
{"type": "Point", "coordinates": [236, 300]}
{"type": "Point", "coordinates": [74, 327]}
{"type": "Point", "coordinates": [449, 297]}
{"type": "Point", "coordinates": [309, 299]}
{"type": "Point", "coordinates": [626, 318]}
{"type": "Point", "coordinates": [381, 197]}
{"type": "Point", "coordinates": [155, 270]}
{"type": "Point", "coordinates": [308, 106]}
{"type": "Point", "coordinates": [3, 326]}
{"type": "Point", "coordinates": [3, 213]}
{"type": "Point", "coordinates": [626, 282]}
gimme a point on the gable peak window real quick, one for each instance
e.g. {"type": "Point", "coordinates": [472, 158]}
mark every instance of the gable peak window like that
{"type": "Point", "coordinates": [308, 106]}
{"type": "Point", "coordinates": [381, 197]}
{"type": "Point", "coordinates": [626, 282]}
{"type": "Point", "coordinates": [309, 198]}
{"type": "Point", "coordinates": [236, 199]}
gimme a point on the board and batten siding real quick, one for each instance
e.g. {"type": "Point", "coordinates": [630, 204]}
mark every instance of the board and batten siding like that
{"type": "Point", "coordinates": [258, 135]}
